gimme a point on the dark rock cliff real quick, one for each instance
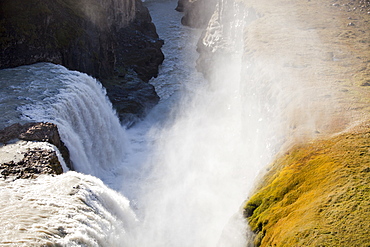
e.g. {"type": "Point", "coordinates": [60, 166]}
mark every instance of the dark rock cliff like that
{"type": "Point", "coordinates": [95, 37]}
{"type": "Point", "coordinates": [105, 39]}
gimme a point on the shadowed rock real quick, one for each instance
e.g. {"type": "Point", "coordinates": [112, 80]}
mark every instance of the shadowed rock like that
{"type": "Point", "coordinates": [81, 35]}
{"type": "Point", "coordinates": [104, 39]}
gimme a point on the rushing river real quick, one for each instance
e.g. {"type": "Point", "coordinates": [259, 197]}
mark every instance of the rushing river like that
{"type": "Point", "coordinates": [178, 178]}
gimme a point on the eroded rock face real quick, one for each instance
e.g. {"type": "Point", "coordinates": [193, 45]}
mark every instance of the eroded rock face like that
{"type": "Point", "coordinates": [132, 99]}
{"type": "Point", "coordinates": [138, 46]}
{"type": "Point", "coordinates": [104, 39]}
{"type": "Point", "coordinates": [39, 132]}
{"type": "Point", "coordinates": [222, 38]}
{"type": "Point", "coordinates": [35, 162]}
{"type": "Point", "coordinates": [81, 35]}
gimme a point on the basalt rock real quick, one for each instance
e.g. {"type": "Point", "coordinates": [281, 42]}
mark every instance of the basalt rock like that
{"type": "Point", "coordinates": [40, 132]}
{"type": "Point", "coordinates": [81, 35]}
{"type": "Point", "coordinates": [138, 46]}
{"type": "Point", "coordinates": [104, 39]}
{"type": "Point", "coordinates": [132, 99]}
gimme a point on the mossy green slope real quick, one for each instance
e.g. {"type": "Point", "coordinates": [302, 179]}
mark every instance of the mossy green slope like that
{"type": "Point", "coordinates": [316, 194]}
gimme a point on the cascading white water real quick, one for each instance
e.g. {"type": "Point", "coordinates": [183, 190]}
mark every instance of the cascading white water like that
{"type": "Point", "coordinates": [186, 176]}
{"type": "Point", "coordinates": [68, 210]}
{"type": "Point", "coordinates": [200, 169]}
{"type": "Point", "coordinates": [71, 209]}
{"type": "Point", "coordinates": [79, 106]}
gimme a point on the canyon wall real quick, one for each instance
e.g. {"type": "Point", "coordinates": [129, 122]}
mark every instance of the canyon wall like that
{"type": "Point", "coordinates": [114, 41]}
{"type": "Point", "coordinates": [100, 38]}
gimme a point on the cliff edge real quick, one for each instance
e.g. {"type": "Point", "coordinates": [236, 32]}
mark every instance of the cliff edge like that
{"type": "Point", "coordinates": [100, 38]}
{"type": "Point", "coordinates": [29, 150]}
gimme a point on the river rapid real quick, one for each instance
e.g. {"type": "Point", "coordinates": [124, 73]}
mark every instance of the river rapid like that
{"type": "Point", "coordinates": [178, 178]}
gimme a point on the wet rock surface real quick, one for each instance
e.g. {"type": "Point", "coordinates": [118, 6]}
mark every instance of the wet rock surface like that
{"type": "Point", "coordinates": [132, 99]}
{"type": "Point", "coordinates": [139, 46]}
{"type": "Point", "coordinates": [34, 163]}
{"type": "Point", "coordinates": [39, 132]}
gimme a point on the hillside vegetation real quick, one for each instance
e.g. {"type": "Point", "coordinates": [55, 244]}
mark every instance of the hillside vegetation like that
{"type": "Point", "coordinates": [317, 191]}
{"type": "Point", "coordinates": [317, 194]}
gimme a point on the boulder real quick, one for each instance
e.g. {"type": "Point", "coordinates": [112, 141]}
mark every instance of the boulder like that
{"type": "Point", "coordinates": [35, 162]}
{"type": "Point", "coordinates": [39, 132]}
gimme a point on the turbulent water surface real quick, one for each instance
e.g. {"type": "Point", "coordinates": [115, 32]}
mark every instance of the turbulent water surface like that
{"type": "Point", "coordinates": [178, 178]}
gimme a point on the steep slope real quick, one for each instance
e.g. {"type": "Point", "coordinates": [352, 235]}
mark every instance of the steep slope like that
{"type": "Point", "coordinates": [316, 193]}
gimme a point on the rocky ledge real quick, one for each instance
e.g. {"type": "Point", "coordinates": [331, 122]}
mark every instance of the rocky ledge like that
{"type": "Point", "coordinates": [31, 149]}
{"type": "Point", "coordinates": [35, 161]}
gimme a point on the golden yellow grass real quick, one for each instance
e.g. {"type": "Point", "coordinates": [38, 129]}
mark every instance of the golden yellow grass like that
{"type": "Point", "coordinates": [317, 194]}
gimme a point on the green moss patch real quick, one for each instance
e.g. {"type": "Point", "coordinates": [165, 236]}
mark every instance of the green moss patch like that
{"type": "Point", "coordinates": [317, 194]}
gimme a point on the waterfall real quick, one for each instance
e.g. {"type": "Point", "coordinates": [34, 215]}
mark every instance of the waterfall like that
{"type": "Point", "coordinates": [67, 210]}
{"type": "Point", "coordinates": [85, 118]}
{"type": "Point", "coordinates": [181, 175]}
{"type": "Point", "coordinates": [72, 209]}
{"type": "Point", "coordinates": [201, 166]}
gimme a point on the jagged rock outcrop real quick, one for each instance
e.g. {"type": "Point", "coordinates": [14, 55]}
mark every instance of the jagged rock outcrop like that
{"type": "Point", "coordinates": [37, 132]}
{"type": "Point", "coordinates": [138, 46]}
{"type": "Point", "coordinates": [105, 39]}
{"type": "Point", "coordinates": [222, 35]}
